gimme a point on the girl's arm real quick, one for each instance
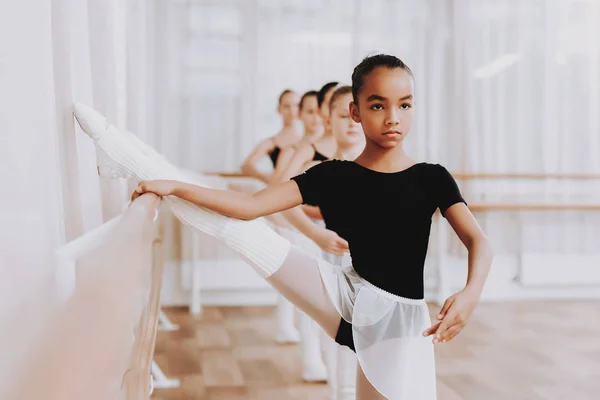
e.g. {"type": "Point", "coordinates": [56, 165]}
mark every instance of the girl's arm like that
{"type": "Point", "coordinates": [249, 206]}
{"type": "Point", "coordinates": [240, 205]}
{"type": "Point", "coordinates": [249, 166]}
{"type": "Point", "coordinates": [326, 239]}
{"type": "Point", "coordinates": [312, 211]}
{"type": "Point", "coordinates": [480, 251]}
{"type": "Point", "coordinates": [458, 308]}
{"type": "Point", "coordinates": [285, 156]}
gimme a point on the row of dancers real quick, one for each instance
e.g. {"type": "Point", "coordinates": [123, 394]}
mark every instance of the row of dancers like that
{"type": "Point", "coordinates": [328, 133]}
{"type": "Point", "coordinates": [348, 186]}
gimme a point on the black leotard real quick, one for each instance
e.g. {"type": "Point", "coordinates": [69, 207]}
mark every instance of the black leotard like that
{"type": "Point", "coordinates": [385, 217]}
{"type": "Point", "coordinates": [274, 155]}
{"type": "Point", "coordinates": [318, 156]}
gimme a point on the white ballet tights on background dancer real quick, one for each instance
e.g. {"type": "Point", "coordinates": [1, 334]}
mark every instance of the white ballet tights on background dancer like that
{"type": "Point", "coordinates": [313, 366]}
{"type": "Point", "coordinates": [341, 361]}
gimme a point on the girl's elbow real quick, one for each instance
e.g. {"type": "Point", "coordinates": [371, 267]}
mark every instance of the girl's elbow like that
{"type": "Point", "coordinates": [246, 168]}
{"type": "Point", "coordinates": [250, 211]}
{"type": "Point", "coordinates": [485, 243]}
{"type": "Point", "coordinates": [247, 216]}
{"type": "Point", "coordinates": [479, 241]}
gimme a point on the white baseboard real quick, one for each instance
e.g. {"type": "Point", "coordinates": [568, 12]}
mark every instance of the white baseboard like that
{"type": "Point", "coordinates": [559, 269]}
{"type": "Point", "coordinates": [505, 281]}
{"type": "Point", "coordinates": [239, 297]}
{"type": "Point", "coordinates": [223, 274]}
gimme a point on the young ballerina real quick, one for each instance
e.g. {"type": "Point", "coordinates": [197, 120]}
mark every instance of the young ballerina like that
{"type": "Point", "coordinates": [271, 147]}
{"type": "Point", "coordinates": [348, 134]}
{"type": "Point", "coordinates": [309, 150]}
{"type": "Point", "coordinates": [349, 143]}
{"type": "Point", "coordinates": [382, 203]}
{"type": "Point", "coordinates": [313, 369]}
{"type": "Point", "coordinates": [312, 122]}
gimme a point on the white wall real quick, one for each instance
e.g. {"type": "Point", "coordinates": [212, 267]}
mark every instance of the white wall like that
{"type": "Point", "coordinates": [52, 53]}
{"type": "Point", "coordinates": [31, 211]}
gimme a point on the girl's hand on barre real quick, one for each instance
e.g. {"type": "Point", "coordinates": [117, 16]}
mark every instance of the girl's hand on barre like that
{"type": "Point", "coordinates": [158, 187]}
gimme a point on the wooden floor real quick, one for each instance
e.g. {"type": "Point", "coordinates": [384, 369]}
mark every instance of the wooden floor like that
{"type": "Point", "coordinates": [509, 351]}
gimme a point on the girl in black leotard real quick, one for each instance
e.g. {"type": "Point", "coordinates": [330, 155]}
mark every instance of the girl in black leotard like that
{"type": "Point", "coordinates": [271, 147]}
{"type": "Point", "coordinates": [382, 203]}
{"type": "Point", "coordinates": [313, 368]}
{"type": "Point", "coordinates": [309, 150]}
{"type": "Point", "coordinates": [313, 129]}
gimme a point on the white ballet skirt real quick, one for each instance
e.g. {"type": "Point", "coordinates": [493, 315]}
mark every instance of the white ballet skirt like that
{"type": "Point", "coordinates": [387, 329]}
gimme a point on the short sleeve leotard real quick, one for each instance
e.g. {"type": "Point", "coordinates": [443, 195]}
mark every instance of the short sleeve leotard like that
{"type": "Point", "coordinates": [274, 155]}
{"type": "Point", "coordinates": [385, 217]}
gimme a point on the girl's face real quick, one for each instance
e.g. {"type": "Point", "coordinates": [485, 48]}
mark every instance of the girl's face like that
{"type": "Point", "coordinates": [288, 108]}
{"type": "Point", "coordinates": [325, 106]}
{"type": "Point", "coordinates": [347, 133]}
{"type": "Point", "coordinates": [310, 116]}
{"type": "Point", "coordinates": [385, 106]}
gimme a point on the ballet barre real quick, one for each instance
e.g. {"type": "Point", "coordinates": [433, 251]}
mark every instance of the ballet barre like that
{"type": "Point", "coordinates": [227, 174]}
{"type": "Point", "coordinates": [443, 234]}
{"type": "Point", "coordinates": [110, 280]}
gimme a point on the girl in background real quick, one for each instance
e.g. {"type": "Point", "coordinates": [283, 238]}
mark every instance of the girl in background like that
{"type": "Point", "coordinates": [271, 147]}
{"type": "Point", "coordinates": [350, 142]}
{"type": "Point", "coordinates": [290, 109]}
{"type": "Point", "coordinates": [309, 150]}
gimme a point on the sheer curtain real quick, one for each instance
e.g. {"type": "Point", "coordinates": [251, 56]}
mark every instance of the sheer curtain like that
{"type": "Point", "coordinates": [502, 86]}
{"type": "Point", "coordinates": [237, 58]}
{"type": "Point", "coordinates": [527, 95]}
{"type": "Point", "coordinates": [65, 51]}
{"type": "Point", "coordinates": [529, 72]}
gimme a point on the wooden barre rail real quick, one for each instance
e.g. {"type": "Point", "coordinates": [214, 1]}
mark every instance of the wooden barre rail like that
{"type": "Point", "coordinates": [463, 175]}
{"type": "Point", "coordinates": [227, 174]}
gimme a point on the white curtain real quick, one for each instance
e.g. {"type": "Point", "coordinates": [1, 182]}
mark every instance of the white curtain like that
{"type": "Point", "coordinates": [226, 64]}
{"type": "Point", "coordinates": [526, 100]}
{"type": "Point", "coordinates": [63, 52]}
{"type": "Point", "coordinates": [502, 86]}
